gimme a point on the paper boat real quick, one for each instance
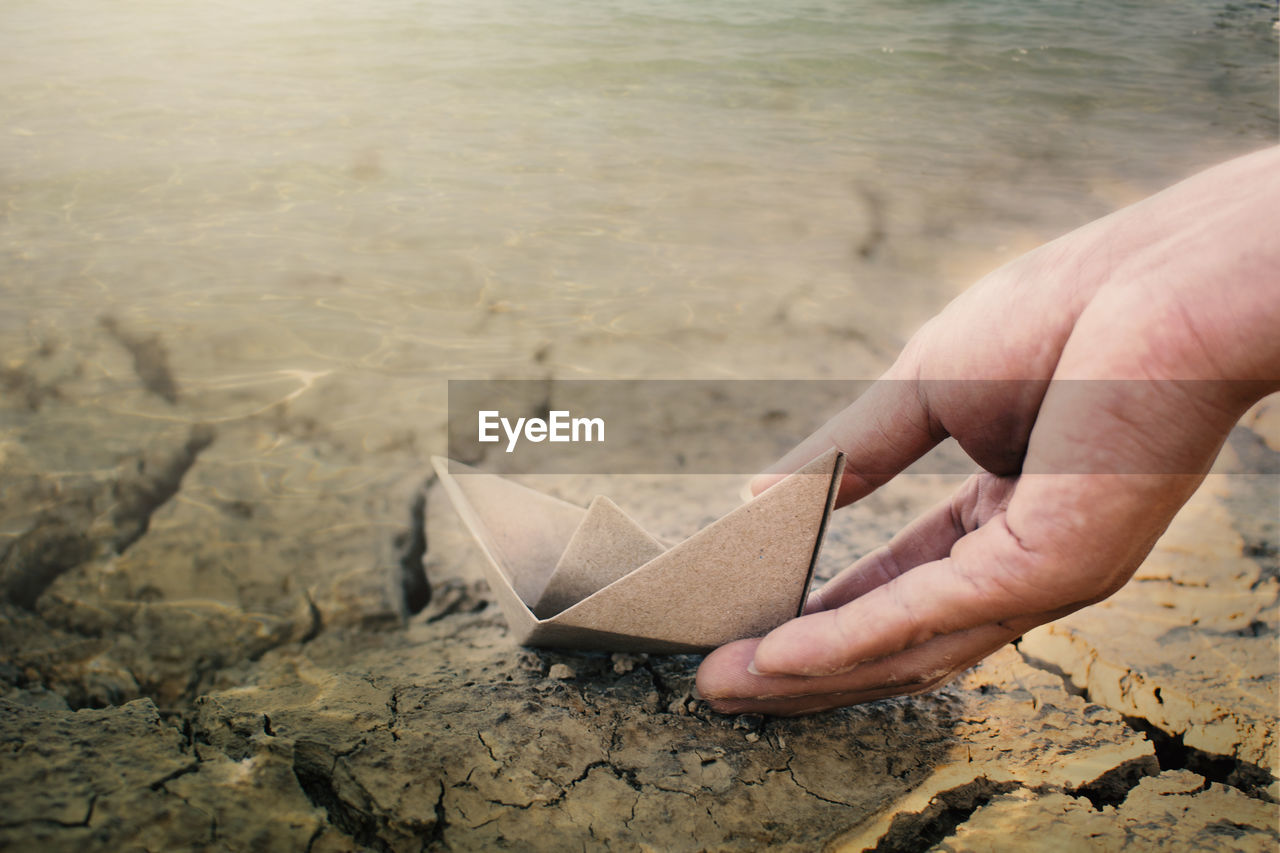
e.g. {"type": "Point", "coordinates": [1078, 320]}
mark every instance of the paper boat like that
{"type": "Point", "coordinates": [569, 577]}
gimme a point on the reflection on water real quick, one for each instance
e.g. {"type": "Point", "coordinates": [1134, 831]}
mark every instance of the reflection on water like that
{"type": "Point", "coordinates": [317, 212]}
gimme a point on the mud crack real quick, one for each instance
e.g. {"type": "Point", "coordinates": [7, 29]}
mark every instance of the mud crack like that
{"type": "Point", "coordinates": [1171, 753]}
{"type": "Point", "coordinates": [314, 765]}
{"type": "Point", "coordinates": [411, 548]}
{"type": "Point", "coordinates": [946, 811]}
{"type": "Point", "coordinates": [792, 773]}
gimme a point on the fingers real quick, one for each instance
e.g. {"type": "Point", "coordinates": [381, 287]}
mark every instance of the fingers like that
{"type": "Point", "coordinates": [989, 576]}
{"type": "Point", "coordinates": [926, 539]}
{"type": "Point", "coordinates": [1061, 542]}
{"type": "Point", "coordinates": [880, 433]}
{"type": "Point", "coordinates": [726, 683]}
{"type": "Point", "coordinates": [1057, 543]}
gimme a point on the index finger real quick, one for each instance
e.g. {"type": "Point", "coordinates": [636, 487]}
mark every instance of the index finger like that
{"type": "Point", "coordinates": [880, 433]}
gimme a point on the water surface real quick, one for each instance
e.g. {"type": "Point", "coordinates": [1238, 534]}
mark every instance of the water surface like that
{"type": "Point", "coordinates": [324, 210]}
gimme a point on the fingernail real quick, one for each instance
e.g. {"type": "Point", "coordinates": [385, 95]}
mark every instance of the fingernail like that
{"type": "Point", "coordinates": [751, 668]}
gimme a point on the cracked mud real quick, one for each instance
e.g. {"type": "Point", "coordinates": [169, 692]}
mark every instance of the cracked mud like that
{"type": "Point", "coordinates": [252, 671]}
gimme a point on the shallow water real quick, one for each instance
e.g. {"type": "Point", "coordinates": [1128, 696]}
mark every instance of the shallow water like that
{"type": "Point", "coordinates": [325, 209]}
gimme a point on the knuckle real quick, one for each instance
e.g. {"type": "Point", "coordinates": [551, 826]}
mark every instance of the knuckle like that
{"type": "Point", "coordinates": [914, 626]}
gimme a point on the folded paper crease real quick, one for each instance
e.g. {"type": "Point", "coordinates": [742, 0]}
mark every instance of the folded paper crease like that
{"type": "Point", "coordinates": [595, 579]}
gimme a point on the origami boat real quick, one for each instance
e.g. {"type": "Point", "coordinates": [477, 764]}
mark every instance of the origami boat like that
{"type": "Point", "coordinates": [592, 578]}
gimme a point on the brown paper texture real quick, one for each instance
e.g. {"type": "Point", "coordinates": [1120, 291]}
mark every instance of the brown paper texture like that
{"type": "Point", "coordinates": [594, 579]}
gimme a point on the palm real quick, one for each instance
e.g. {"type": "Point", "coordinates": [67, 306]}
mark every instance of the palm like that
{"type": "Point", "coordinates": [1095, 420]}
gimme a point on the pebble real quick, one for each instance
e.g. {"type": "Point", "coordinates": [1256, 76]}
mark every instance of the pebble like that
{"type": "Point", "coordinates": [624, 663]}
{"type": "Point", "coordinates": [561, 672]}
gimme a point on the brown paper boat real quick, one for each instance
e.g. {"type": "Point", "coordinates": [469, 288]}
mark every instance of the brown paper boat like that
{"type": "Point", "coordinates": [569, 577]}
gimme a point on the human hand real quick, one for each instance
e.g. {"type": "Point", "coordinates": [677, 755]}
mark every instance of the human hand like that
{"type": "Point", "coordinates": [1095, 380]}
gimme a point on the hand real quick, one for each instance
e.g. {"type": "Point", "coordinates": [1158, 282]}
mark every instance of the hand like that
{"type": "Point", "coordinates": [1167, 312]}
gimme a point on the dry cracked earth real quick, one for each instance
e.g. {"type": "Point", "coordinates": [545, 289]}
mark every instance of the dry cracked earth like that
{"type": "Point", "coordinates": [255, 638]}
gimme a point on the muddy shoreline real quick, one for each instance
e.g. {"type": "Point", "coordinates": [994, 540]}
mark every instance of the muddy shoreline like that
{"type": "Point", "coordinates": [192, 660]}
